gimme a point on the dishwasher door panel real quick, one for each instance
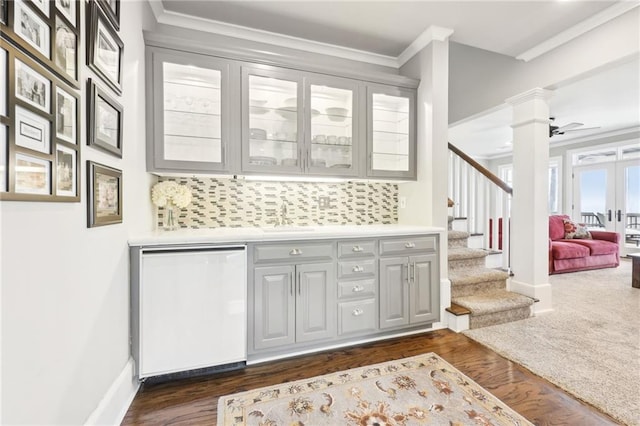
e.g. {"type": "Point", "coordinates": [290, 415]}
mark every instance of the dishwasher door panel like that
{"type": "Point", "coordinates": [192, 310]}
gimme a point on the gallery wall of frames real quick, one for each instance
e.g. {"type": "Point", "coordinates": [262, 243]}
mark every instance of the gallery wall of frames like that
{"type": "Point", "coordinates": [41, 91]}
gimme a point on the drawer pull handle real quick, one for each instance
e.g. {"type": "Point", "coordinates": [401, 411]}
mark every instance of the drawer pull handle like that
{"type": "Point", "coordinates": [358, 268]}
{"type": "Point", "coordinates": [357, 249]}
{"type": "Point", "coordinates": [295, 252]}
{"type": "Point", "coordinates": [410, 245]}
{"type": "Point", "coordinates": [357, 288]}
{"type": "Point", "coordinates": [357, 312]}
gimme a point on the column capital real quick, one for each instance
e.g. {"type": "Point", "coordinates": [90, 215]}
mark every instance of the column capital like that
{"type": "Point", "coordinates": [529, 95]}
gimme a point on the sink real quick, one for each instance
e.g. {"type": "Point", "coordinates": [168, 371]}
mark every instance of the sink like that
{"type": "Point", "coordinates": [287, 228]}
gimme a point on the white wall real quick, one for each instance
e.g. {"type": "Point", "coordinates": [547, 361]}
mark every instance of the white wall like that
{"type": "Point", "coordinates": [65, 288]}
{"type": "Point", "coordinates": [481, 80]}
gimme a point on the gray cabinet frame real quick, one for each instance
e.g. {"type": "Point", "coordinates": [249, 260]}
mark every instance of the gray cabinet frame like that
{"type": "Point", "coordinates": [411, 174]}
{"type": "Point", "coordinates": [156, 162]}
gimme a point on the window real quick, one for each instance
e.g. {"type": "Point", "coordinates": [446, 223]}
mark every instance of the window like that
{"type": "Point", "coordinates": [555, 180]}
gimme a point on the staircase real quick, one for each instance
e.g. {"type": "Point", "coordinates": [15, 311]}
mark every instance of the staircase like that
{"type": "Point", "coordinates": [480, 292]}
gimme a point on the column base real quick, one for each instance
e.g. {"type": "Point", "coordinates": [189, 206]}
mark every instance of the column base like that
{"type": "Point", "coordinates": [541, 292]}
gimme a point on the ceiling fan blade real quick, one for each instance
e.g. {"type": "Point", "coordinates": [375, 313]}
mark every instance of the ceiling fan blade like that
{"type": "Point", "coordinates": [569, 126]}
{"type": "Point", "coordinates": [579, 130]}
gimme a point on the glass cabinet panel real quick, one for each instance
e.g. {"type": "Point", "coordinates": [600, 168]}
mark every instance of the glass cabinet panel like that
{"type": "Point", "coordinates": [188, 100]}
{"type": "Point", "coordinates": [332, 134]}
{"type": "Point", "coordinates": [273, 123]}
{"type": "Point", "coordinates": [391, 134]}
{"type": "Point", "coordinates": [192, 113]}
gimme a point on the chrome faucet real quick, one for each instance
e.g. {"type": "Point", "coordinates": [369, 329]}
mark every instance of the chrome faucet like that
{"type": "Point", "coordinates": [284, 220]}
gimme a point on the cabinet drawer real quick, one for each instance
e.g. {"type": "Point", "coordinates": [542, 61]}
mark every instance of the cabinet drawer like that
{"type": "Point", "coordinates": [292, 251]}
{"type": "Point", "coordinates": [408, 245]}
{"type": "Point", "coordinates": [356, 268]}
{"type": "Point", "coordinates": [357, 317]}
{"type": "Point", "coordinates": [354, 248]}
{"type": "Point", "coordinates": [360, 288]}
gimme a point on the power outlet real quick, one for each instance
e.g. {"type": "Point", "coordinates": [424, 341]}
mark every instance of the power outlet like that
{"type": "Point", "coordinates": [324, 203]}
{"type": "Point", "coordinates": [402, 201]}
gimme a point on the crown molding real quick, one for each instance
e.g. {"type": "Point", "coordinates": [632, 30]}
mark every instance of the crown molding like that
{"type": "Point", "coordinates": [579, 29]}
{"type": "Point", "coordinates": [222, 28]}
{"type": "Point", "coordinates": [433, 33]}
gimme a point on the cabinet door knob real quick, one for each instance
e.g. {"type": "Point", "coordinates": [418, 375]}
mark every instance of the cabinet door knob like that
{"type": "Point", "coordinates": [357, 249]}
{"type": "Point", "coordinates": [358, 268]}
{"type": "Point", "coordinates": [295, 252]}
{"type": "Point", "coordinates": [357, 312]}
{"type": "Point", "coordinates": [410, 245]}
{"type": "Point", "coordinates": [357, 288]}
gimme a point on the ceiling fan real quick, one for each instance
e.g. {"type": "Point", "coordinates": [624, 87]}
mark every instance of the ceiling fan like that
{"type": "Point", "coordinates": [571, 127]}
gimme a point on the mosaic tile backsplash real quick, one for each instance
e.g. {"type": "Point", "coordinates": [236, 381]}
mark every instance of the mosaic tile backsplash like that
{"type": "Point", "coordinates": [235, 203]}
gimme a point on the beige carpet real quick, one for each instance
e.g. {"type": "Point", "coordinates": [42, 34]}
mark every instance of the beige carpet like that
{"type": "Point", "coordinates": [423, 389]}
{"type": "Point", "coordinates": [589, 345]}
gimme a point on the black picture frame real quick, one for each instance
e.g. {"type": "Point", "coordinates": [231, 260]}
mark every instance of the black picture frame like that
{"type": "Point", "coordinates": [104, 48]}
{"type": "Point", "coordinates": [104, 195]}
{"type": "Point", "coordinates": [49, 37]}
{"type": "Point", "coordinates": [111, 9]}
{"type": "Point", "coordinates": [104, 121]}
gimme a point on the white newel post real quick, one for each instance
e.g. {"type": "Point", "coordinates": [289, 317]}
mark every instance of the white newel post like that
{"type": "Point", "coordinates": [529, 207]}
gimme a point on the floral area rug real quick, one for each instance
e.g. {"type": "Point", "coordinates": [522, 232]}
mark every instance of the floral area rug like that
{"type": "Point", "coordinates": [423, 390]}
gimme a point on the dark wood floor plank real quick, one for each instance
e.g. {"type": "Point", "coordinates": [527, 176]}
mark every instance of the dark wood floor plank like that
{"type": "Point", "coordinates": [194, 401]}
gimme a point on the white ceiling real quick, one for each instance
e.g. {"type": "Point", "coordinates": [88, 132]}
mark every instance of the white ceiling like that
{"type": "Point", "coordinates": [385, 29]}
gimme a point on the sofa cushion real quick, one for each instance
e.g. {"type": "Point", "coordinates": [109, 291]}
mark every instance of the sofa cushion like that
{"type": "Point", "coordinates": [556, 226]}
{"type": "Point", "coordinates": [574, 230]}
{"type": "Point", "coordinates": [569, 250]}
{"type": "Point", "coordinates": [598, 247]}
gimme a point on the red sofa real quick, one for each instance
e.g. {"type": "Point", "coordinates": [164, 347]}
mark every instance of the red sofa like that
{"type": "Point", "coordinates": [570, 255]}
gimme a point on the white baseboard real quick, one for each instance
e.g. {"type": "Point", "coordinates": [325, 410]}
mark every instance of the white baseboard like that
{"type": "Point", "coordinates": [115, 403]}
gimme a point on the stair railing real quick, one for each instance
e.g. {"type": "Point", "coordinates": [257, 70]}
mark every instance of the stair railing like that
{"type": "Point", "coordinates": [483, 199]}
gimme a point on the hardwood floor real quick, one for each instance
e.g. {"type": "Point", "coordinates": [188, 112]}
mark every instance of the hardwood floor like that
{"type": "Point", "coordinates": [194, 401]}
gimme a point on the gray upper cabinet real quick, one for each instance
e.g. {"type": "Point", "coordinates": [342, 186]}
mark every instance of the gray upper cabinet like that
{"type": "Point", "coordinates": [188, 108]}
{"type": "Point", "coordinates": [332, 128]}
{"type": "Point", "coordinates": [299, 123]}
{"type": "Point", "coordinates": [391, 132]}
{"type": "Point", "coordinates": [272, 120]}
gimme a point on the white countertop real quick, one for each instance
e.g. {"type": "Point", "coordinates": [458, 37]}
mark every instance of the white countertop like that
{"type": "Point", "coordinates": [283, 233]}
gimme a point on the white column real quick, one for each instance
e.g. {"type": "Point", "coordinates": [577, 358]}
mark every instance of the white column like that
{"type": "Point", "coordinates": [530, 211]}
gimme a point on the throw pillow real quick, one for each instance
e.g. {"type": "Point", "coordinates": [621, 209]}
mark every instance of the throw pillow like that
{"type": "Point", "coordinates": [577, 231]}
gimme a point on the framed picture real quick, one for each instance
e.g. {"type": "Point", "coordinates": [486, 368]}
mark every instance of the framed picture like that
{"type": "Point", "coordinates": [112, 10]}
{"type": "Point", "coordinates": [69, 10]}
{"type": "Point", "coordinates": [66, 172]}
{"type": "Point", "coordinates": [66, 116]}
{"type": "Point", "coordinates": [32, 131]}
{"type": "Point", "coordinates": [4, 73]}
{"type": "Point", "coordinates": [33, 175]}
{"type": "Point", "coordinates": [105, 49]}
{"type": "Point", "coordinates": [104, 121]}
{"type": "Point", "coordinates": [31, 28]}
{"type": "Point", "coordinates": [3, 12]}
{"type": "Point", "coordinates": [32, 87]}
{"type": "Point", "coordinates": [65, 48]}
{"type": "Point", "coordinates": [3, 159]}
{"type": "Point", "coordinates": [43, 5]}
{"type": "Point", "coordinates": [39, 141]}
{"type": "Point", "coordinates": [105, 195]}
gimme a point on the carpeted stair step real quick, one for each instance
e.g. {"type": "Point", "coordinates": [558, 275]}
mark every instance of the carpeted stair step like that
{"type": "Point", "coordinates": [467, 282]}
{"type": "Point", "coordinates": [461, 258]}
{"type": "Point", "coordinates": [495, 307]}
{"type": "Point", "coordinates": [458, 239]}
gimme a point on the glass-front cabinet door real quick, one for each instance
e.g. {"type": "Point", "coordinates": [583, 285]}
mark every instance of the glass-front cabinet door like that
{"type": "Point", "coordinates": [391, 132]}
{"type": "Point", "coordinates": [272, 123]}
{"type": "Point", "coordinates": [332, 132]}
{"type": "Point", "coordinates": [190, 112]}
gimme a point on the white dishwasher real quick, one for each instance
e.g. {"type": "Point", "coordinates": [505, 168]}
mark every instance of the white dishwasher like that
{"type": "Point", "coordinates": [191, 304]}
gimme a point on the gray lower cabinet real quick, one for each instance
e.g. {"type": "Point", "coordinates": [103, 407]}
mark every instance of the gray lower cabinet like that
{"type": "Point", "coordinates": [310, 294]}
{"type": "Point", "coordinates": [409, 285]}
{"type": "Point", "coordinates": [293, 303]}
